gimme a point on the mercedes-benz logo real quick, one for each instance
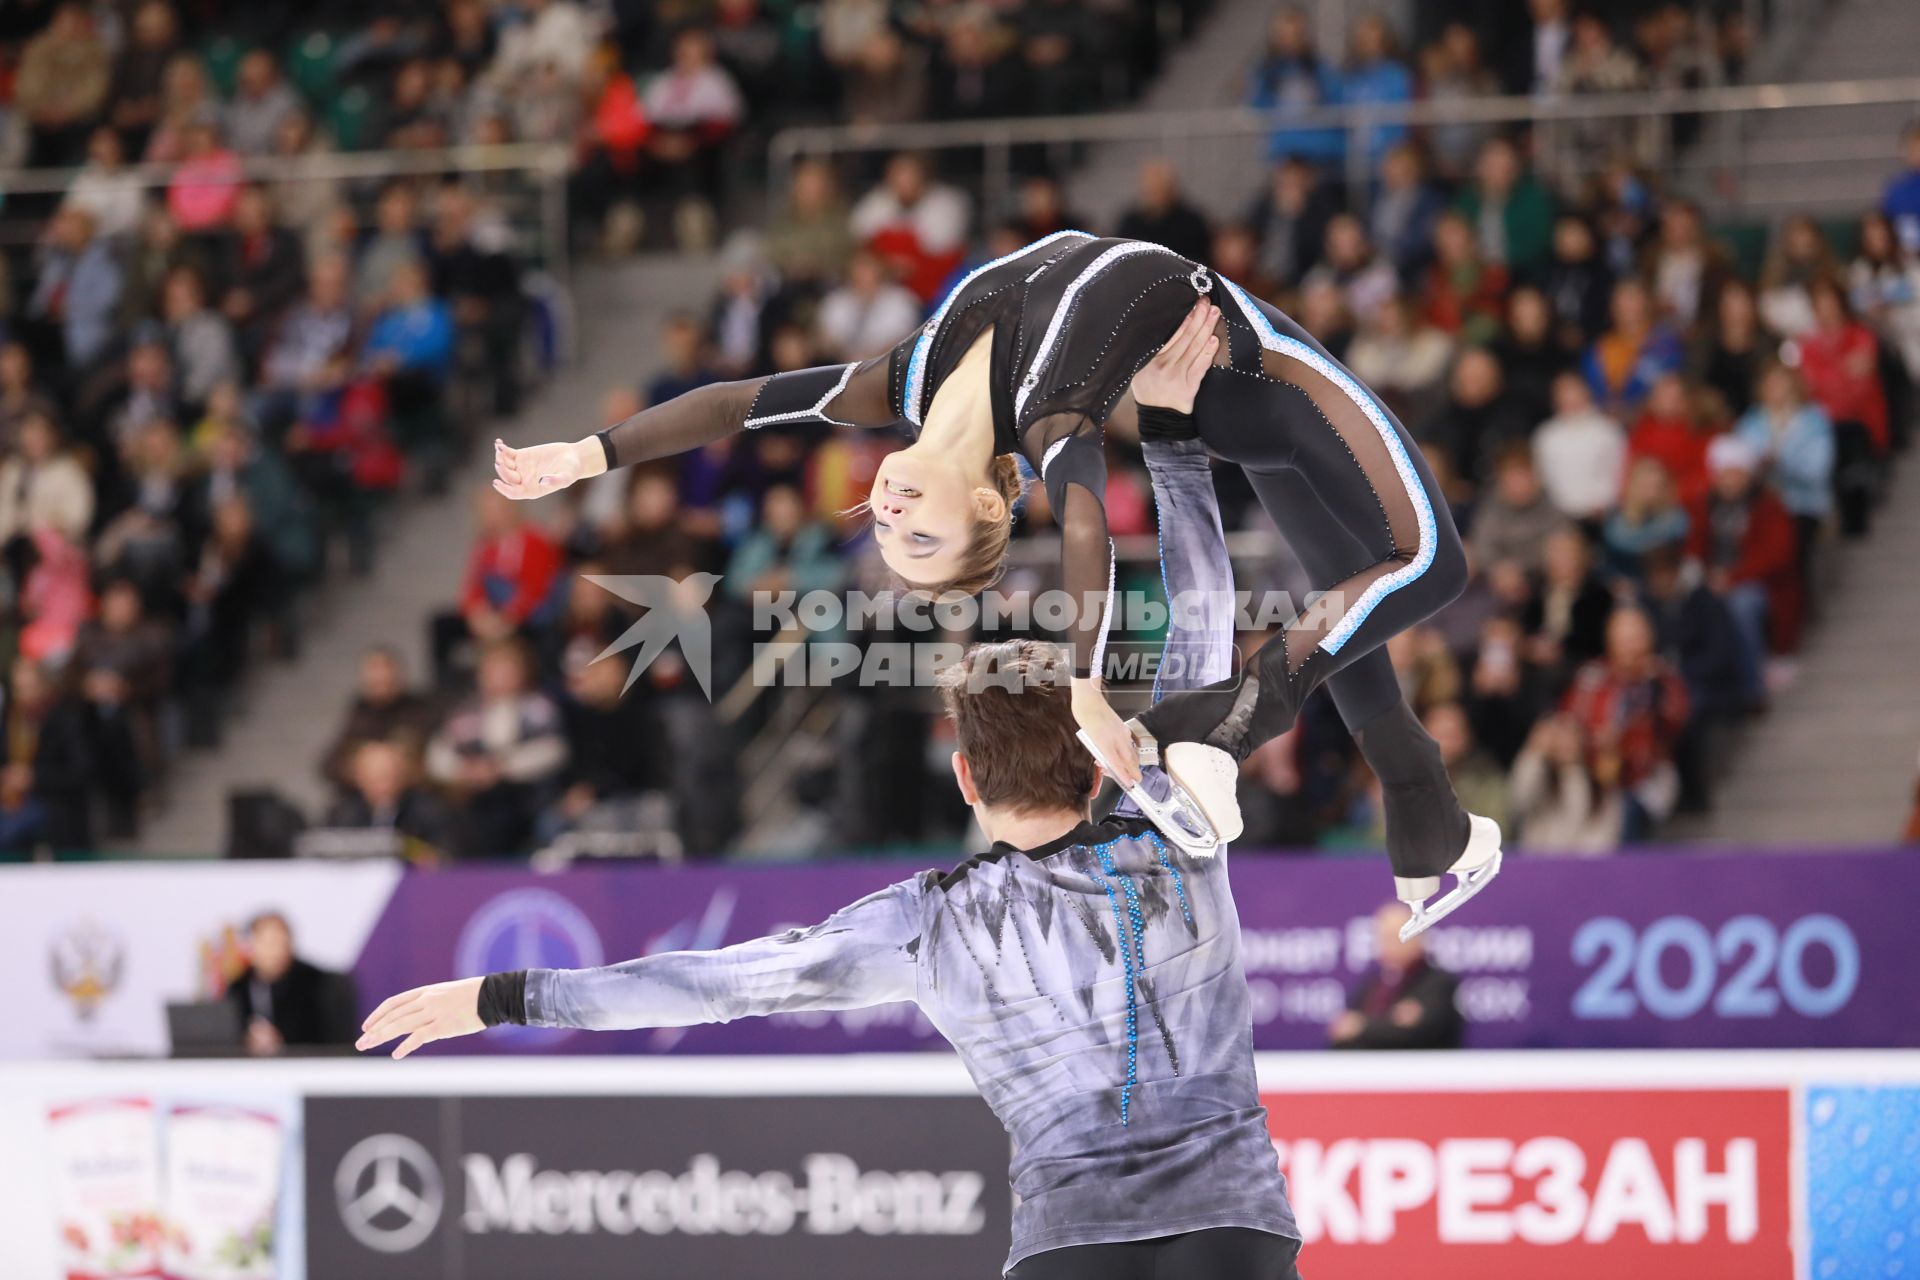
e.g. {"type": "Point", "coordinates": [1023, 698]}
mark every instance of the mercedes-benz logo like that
{"type": "Point", "coordinates": [389, 1192]}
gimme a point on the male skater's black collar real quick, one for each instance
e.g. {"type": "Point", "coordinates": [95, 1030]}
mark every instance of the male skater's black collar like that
{"type": "Point", "coordinates": [1087, 834]}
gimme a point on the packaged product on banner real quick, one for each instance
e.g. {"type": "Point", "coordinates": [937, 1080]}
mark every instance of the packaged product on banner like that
{"type": "Point", "coordinates": [223, 1193]}
{"type": "Point", "coordinates": [105, 1181]}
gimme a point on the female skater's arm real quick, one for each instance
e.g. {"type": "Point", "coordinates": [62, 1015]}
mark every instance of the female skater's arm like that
{"type": "Point", "coordinates": [853, 395]}
{"type": "Point", "coordinates": [861, 955]}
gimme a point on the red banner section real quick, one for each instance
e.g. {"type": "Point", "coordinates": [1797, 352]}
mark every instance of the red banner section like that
{"type": "Point", "coordinates": [1567, 1184]}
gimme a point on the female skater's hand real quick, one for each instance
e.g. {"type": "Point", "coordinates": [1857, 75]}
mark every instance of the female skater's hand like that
{"type": "Point", "coordinates": [1109, 732]}
{"type": "Point", "coordinates": [1171, 378]}
{"type": "Point", "coordinates": [541, 469]}
{"type": "Point", "coordinates": [423, 1015]}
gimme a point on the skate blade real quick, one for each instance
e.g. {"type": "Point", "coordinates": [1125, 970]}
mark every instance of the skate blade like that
{"type": "Point", "coordinates": [1470, 883]}
{"type": "Point", "coordinates": [1177, 815]}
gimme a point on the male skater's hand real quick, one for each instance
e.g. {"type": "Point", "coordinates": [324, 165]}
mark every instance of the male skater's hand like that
{"type": "Point", "coordinates": [1171, 378]}
{"type": "Point", "coordinates": [423, 1015]}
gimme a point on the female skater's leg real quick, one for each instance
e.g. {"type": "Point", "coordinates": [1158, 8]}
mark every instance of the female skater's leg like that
{"type": "Point", "coordinates": [1426, 827]}
{"type": "Point", "coordinates": [1298, 410]}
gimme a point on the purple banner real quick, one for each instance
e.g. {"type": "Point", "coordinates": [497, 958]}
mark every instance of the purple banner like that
{"type": "Point", "coordinates": [1748, 950]}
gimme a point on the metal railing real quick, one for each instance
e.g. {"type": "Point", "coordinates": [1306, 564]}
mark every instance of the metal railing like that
{"type": "Point", "coordinates": [1642, 119]}
{"type": "Point", "coordinates": [524, 182]}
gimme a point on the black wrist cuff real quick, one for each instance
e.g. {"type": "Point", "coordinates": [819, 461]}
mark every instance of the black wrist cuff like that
{"type": "Point", "coordinates": [503, 998]}
{"type": "Point", "coordinates": [1160, 423]}
{"type": "Point", "coordinates": [605, 437]}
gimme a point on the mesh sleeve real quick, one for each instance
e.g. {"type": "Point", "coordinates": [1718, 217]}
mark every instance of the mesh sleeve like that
{"type": "Point", "coordinates": [1073, 468]}
{"type": "Point", "coordinates": [849, 395]}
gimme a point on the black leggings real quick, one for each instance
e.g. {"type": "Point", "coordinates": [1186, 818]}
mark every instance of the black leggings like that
{"type": "Point", "coordinates": [1221, 1253]}
{"type": "Point", "coordinates": [1354, 498]}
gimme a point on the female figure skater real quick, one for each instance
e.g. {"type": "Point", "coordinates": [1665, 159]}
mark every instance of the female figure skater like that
{"type": "Point", "coordinates": [1033, 354]}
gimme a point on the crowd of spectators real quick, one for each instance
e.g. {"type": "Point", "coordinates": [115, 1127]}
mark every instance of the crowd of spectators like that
{"type": "Point", "coordinates": [1647, 425]}
{"type": "Point", "coordinates": [207, 387]}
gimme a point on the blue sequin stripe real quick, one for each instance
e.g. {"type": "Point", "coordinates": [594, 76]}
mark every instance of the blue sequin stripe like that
{"type": "Point", "coordinates": [1179, 882]}
{"type": "Point", "coordinates": [1273, 340]}
{"type": "Point", "coordinates": [917, 363]}
{"type": "Point", "coordinates": [1133, 960]}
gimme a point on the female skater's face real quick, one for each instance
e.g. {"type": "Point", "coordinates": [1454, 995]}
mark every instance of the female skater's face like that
{"type": "Point", "coordinates": [924, 511]}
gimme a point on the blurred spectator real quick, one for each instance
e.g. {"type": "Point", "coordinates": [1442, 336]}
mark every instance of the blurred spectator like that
{"type": "Point", "coordinates": [1478, 418]}
{"type": "Point", "coordinates": [476, 277]}
{"type": "Point", "coordinates": [1404, 207]}
{"type": "Point", "coordinates": [868, 314]}
{"type": "Point", "coordinates": [1632, 708]}
{"type": "Point", "coordinates": [686, 366]}
{"type": "Point", "coordinates": [1901, 200]}
{"type": "Point", "coordinates": [396, 242]}
{"type": "Point", "coordinates": [384, 709]}
{"type": "Point", "coordinates": [887, 81]}
{"type": "Point", "coordinates": [21, 394]}
{"type": "Point", "coordinates": [1366, 280]}
{"type": "Point", "coordinates": [1745, 539]}
{"type": "Point", "coordinates": [285, 1001]}
{"type": "Point", "coordinates": [1530, 357]}
{"type": "Point", "coordinates": [313, 333]}
{"type": "Point", "coordinates": [1452, 71]}
{"type": "Point", "coordinates": [502, 752]}
{"type": "Point", "coordinates": [655, 536]}
{"type": "Point", "coordinates": [48, 755]}
{"type": "Point", "coordinates": [611, 753]}
{"type": "Point", "coordinates": [1593, 65]}
{"type": "Point", "coordinates": [1510, 212]}
{"type": "Point", "coordinates": [1671, 432]}
{"type": "Point", "coordinates": [62, 83]}
{"type": "Point", "coordinates": [1375, 76]}
{"type": "Point", "coordinates": [785, 551]}
{"type": "Point", "coordinates": [1566, 621]}
{"type": "Point", "coordinates": [262, 102]}
{"type": "Point", "coordinates": [1649, 517]}
{"type": "Point", "coordinates": [1044, 209]}
{"type": "Point", "coordinates": [1558, 805]}
{"type": "Point", "coordinates": [206, 181]}
{"type": "Point", "coordinates": [509, 582]}
{"type": "Point", "coordinates": [1579, 284]}
{"type": "Point", "coordinates": [1402, 358]}
{"type": "Point", "coordinates": [1580, 453]}
{"type": "Point", "coordinates": [42, 486]}
{"type": "Point", "coordinates": [1162, 214]}
{"type": "Point", "coordinates": [692, 106]}
{"type": "Point", "coordinates": [1290, 218]}
{"type": "Point", "coordinates": [1687, 269]}
{"type": "Point", "coordinates": [1796, 441]}
{"type": "Point", "coordinates": [78, 295]}
{"type": "Point", "coordinates": [261, 267]}
{"type": "Point", "coordinates": [1464, 294]}
{"type": "Point", "coordinates": [139, 72]}
{"type": "Point", "coordinates": [381, 791]}
{"type": "Point", "coordinates": [1324, 314]}
{"type": "Point", "coordinates": [1797, 259]}
{"type": "Point", "coordinates": [1546, 51]}
{"type": "Point", "coordinates": [1840, 362]}
{"type": "Point", "coordinates": [1733, 347]}
{"type": "Point", "coordinates": [1884, 284]}
{"type": "Point", "coordinates": [1292, 80]}
{"type": "Point", "coordinates": [116, 198]}
{"type": "Point", "coordinates": [1625, 361]}
{"type": "Point", "coordinates": [1697, 634]}
{"type": "Point", "coordinates": [1405, 1001]}
{"type": "Point", "coordinates": [917, 226]}
{"type": "Point", "coordinates": [200, 338]}
{"type": "Point", "coordinates": [809, 241]}
{"type": "Point", "coordinates": [1512, 523]}
{"type": "Point", "coordinates": [973, 75]}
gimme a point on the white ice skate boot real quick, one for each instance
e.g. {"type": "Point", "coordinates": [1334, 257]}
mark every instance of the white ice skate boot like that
{"type": "Point", "coordinates": [1190, 794]}
{"type": "Point", "coordinates": [1474, 870]}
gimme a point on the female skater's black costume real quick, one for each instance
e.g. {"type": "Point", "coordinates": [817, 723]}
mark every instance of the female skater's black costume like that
{"type": "Point", "coordinates": [1074, 318]}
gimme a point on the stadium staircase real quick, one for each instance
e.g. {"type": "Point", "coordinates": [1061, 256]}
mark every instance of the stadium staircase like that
{"type": "Point", "coordinates": [291, 711]}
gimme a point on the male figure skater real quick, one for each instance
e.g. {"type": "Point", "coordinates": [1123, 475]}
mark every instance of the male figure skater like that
{"type": "Point", "coordinates": [1088, 973]}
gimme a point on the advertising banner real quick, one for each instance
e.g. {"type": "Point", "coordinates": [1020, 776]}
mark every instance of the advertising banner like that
{"type": "Point", "coordinates": [1576, 1184]}
{"type": "Point", "coordinates": [502, 1188]}
{"type": "Point", "coordinates": [1641, 951]}
{"type": "Point", "coordinates": [99, 949]}
{"type": "Point", "coordinates": [102, 1159]}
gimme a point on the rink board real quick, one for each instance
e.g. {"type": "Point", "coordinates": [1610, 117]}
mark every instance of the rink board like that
{"type": "Point", "coordinates": [1796, 1165]}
